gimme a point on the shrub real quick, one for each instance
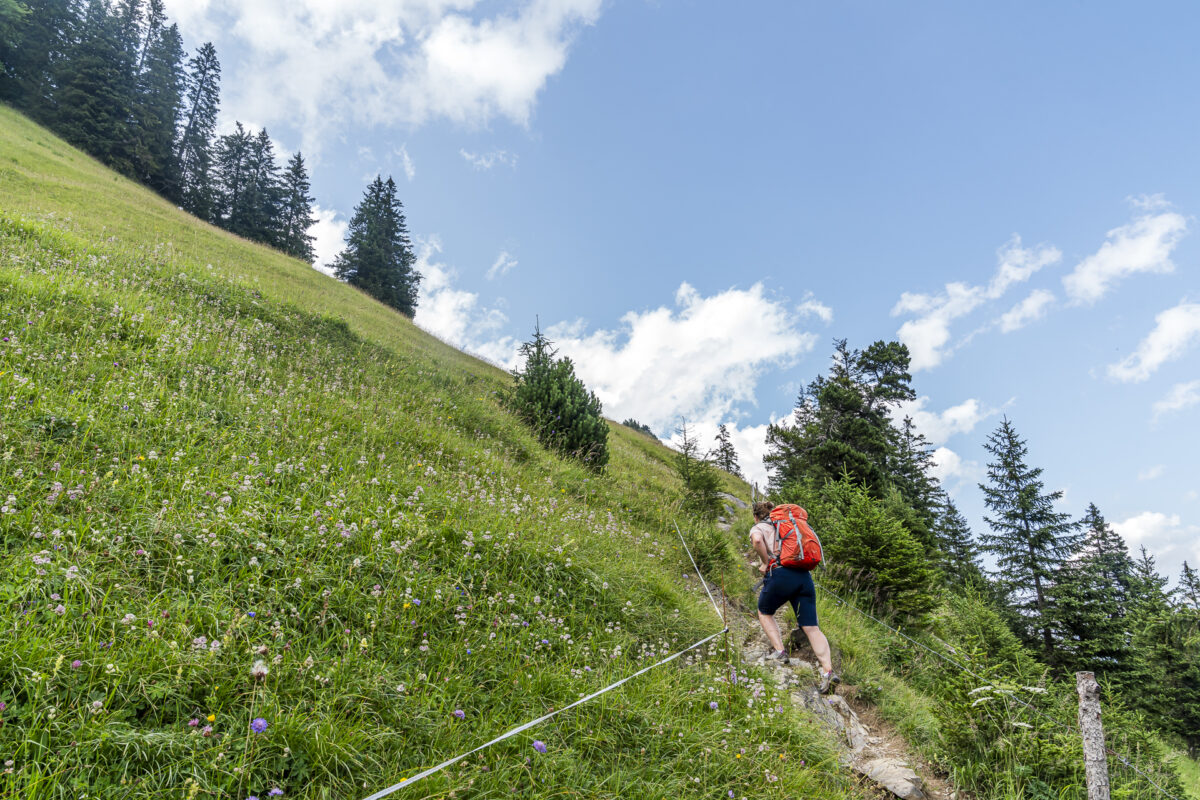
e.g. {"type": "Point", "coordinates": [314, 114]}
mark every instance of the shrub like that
{"type": "Point", "coordinates": [701, 484]}
{"type": "Point", "coordinates": [563, 414]}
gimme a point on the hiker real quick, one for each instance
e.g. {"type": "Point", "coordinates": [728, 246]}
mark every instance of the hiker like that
{"type": "Point", "coordinates": [782, 584]}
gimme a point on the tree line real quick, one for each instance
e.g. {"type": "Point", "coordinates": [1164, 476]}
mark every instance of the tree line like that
{"type": "Point", "coordinates": [1066, 586]}
{"type": "Point", "coordinates": [112, 78]}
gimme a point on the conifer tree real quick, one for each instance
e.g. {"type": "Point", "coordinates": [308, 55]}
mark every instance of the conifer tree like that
{"type": "Point", "coordinates": [194, 154]}
{"type": "Point", "coordinates": [94, 94]}
{"type": "Point", "coordinates": [379, 257]}
{"type": "Point", "coordinates": [1092, 595]}
{"type": "Point", "coordinates": [563, 414]}
{"type": "Point", "coordinates": [959, 553]}
{"type": "Point", "coordinates": [701, 485]}
{"type": "Point", "coordinates": [159, 97]}
{"type": "Point", "coordinates": [910, 465]}
{"type": "Point", "coordinates": [12, 14]}
{"type": "Point", "coordinates": [297, 212]}
{"type": "Point", "coordinates": [231, 164]}
{"type": "Point", "coordinates": [1189, 587]}
{"type": "Point", "coordinates": [725, 455]}
{"type": "Point", "coordinates": [32, 51]}
{"type": "Point", "coordinates": [1029, 538]}
{"type": "Point", "coordinates": [638, 426]}
{"type": "Point", "coordinates": [259, 213]}
{"type": "Point", "coordinates": [841, 423]}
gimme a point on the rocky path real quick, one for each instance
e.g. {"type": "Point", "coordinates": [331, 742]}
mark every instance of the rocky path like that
{"type": "Point", "coordinates": [872, 749]}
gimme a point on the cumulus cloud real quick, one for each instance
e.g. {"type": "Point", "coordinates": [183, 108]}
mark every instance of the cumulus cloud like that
{"type": "Point", "coordinates": [1181, 396]}
{"type": "Point", "coordinates": [1152, 473]}
{"type": "Point", "coordinates": [329, 237]}
{"type": "Point", "coordinates": [488, 160]}
{"type": "Point", "coordinates": [1031, 308]}
{"type": "Point", "coordinates": [1175, 330]}
{"type": "Point", "coordinates": [1143, 245]}
{"type": "Point", "coordinates": [1165, 535]}
{"type": "Point", "coordinates": [324, 65]}
{"type": "Point", "coordinates": [950, 468]}
{"type": "Point", "coordinates": [749, 442]}
{"type": "Point", "coordinates": [939, 427]}
{"type": "Point", "coordinates": [455, 315]}
{"type": "Point", "coordinates": [928, 336]}
{"type": "Point", "coordinates": [501, 266]}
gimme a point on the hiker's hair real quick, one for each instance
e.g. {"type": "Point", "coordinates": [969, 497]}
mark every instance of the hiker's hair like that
{"type": "Point", "coordinates": [762, 510]}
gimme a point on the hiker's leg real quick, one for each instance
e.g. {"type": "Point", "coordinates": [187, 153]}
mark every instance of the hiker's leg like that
{"type": "Point", "coordinates": [771, 628]}
{"type": "Point", "coordinates": [820, 646]}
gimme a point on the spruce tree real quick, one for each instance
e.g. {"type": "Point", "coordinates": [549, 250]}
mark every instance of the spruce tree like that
{"type": "Point", "coordinates": [32, 52]}
{"type": "Point", "coordinates": [259, 212]}
{"type": "Point", "coordinates": [1029, 538]}
{"type": "Point", "coordinates": [95, 91]}
{"type": "Point", "coordinates": [379, 257]}
{"type": "Point", "coordinates": [563, 414]}
{"type": "Point", "coordinates": [231, 164]}
{"type": "Point", "coordinates": [1189, 588]}
{"type": "Point", "coordinates": [12, 14]}
{"type": "Point", "coordinates": [959, 555]}
{"type": "Point", "coordinates": [725, 455]}
{"type": "Point", "coordinates": [159, 98]}
{"type": "Point", "coordinates": [193, 152]}
{"type": "Point", "coordinates": [638, 426]}
{"type": "Point", "coordinates": [1092, 596]}
{"type": "Point", "coordinates": [701, 485]}
{"type": "Point", "coordinates": [297, 212]}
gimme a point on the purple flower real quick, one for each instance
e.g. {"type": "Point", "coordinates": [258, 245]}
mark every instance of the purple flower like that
{"type": "Point", "coordinates": [713, 705]}
{"type": "Point", "coordinates": [252, 797]}
{"type": "Point", "coordinates": [458, 712]}
{"type": "Point", "coordinates": [258, 725]}
{"type": "Point", "coordinates": [545, 641]}
{"type": "Point", "coordinates": [416, 602]}
{"type": "Point", "coordinates": [193, 723]}
{"type": "Point", "coordinates": [76, 664]}
{"type": "Point", "coordinates": [250, 614]}
{"type": "Point", "coordinates": [275, 792]}
{"type": "Point", "coordinates": [539, 745]}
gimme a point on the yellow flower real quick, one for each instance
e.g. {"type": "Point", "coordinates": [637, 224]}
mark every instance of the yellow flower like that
{"type": "Point", "coordinates": [737, 755]}
{"type": "Point", "coordinates": [212, 717]}
{"type": "Point", "coordinates": [406, 605]}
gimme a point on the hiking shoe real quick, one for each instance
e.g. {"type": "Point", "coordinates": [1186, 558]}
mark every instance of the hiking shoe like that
{"type": "Point", "coordinates": [829, 680]}
{"type": "Point", "coordinates": [777, 655]}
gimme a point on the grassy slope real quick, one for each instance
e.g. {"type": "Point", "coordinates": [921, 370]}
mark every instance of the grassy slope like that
{"type": "Point", "coordinates": [212, 456]}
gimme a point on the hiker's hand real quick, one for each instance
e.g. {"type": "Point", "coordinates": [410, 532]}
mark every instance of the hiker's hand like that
{"type": "Point", "coordinates": [762, 568]}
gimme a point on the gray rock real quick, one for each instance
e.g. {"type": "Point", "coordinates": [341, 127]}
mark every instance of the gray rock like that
{"type": "Point", "coordinates": [734, 501]}
{"type": "Point", "coordinates": [895, 777]}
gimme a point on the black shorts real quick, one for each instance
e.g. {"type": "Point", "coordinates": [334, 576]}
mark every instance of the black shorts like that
{"type": "Point", "coordinates": [787, 585]}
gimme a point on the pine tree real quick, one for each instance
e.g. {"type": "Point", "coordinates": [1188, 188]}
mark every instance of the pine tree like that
{"type": "Point", "coordinates": [911, 462]}
{"type": "Point", "coordinates": [231, 163]}
{"type": "Point", "coordinates": [193, 152]}
{"type": "Point", "coordinates": [159, 99]}
{"type": "Point", "coordinates": [701, 485]}
{"type": "Point", "coordinates": [259, 216]}
{"type": "Point", "coordinates": [841, 423]}
{"type": "Point", "coordinates": [1189, 588]}
{"type": "Point", "coordinates": [31, 53]}
{"type": "Point", "coordinates": [1092, 595]}
{"type": "Point", "coordinates": [959, 553]}
{"type": "Point", "coordinates": [1029, 538]}
{"type": "Point", "coordinates": [297, 212]}
{"type": "Point", "coordinates": [94, 98]}
{"type": "Point", "coordinates": [725, 455]}
{"type": "Point", "coordinates": [379, 257]}
{"type": "Point", "coordinates": [563, 414]}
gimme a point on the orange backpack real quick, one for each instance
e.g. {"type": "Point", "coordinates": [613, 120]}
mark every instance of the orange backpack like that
{"type": "Point", "coordinates": [799, 546]}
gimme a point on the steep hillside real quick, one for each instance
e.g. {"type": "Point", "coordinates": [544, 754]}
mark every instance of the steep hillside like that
{"type": "Point", "coordinates": [259, 532]}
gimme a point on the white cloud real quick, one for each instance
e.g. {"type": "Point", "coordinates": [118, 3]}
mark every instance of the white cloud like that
{"type": "Point", "coordinates": [452, 314]}
{"type": "Point", "coordinates": [489, 160]}
{"type": "Point", "coordinates": [928, 335]}
{"type": "Point", "coordinates": [323, 66]}
{"type": "Point", "coordinates": [329, 232]}
{"type": "Point", "coordinates": [1143, 245]}
{"type": "Point", "coordinates": [1165, 535]}
{"type": "Point", "coordinates": [410, 169]}
{"type": "Point", "coordinates": [1031, 308]}
{"type": "Point", "coordinates": [949, 466]}
{"type": "Point", "coordinates": [1152, 473]}
{"type": "Point", "coordinates": [816, 308]}
{"type": "Point", "coordinates": [939, 427]}
{"type": "Point", "coordinates": [1148, 202]}
{"type": "Point", "coordinates": [1181, 396]}
{"type": "Point", "coordinates": [750, 444]}
{"type": "Point", "coordinates": [1174, 332]}
{"type": "Point", "coordinates": [501, 266]}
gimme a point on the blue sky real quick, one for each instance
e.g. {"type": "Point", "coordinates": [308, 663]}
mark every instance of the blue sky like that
{"type": "Point", "coordinates": [697, 198]}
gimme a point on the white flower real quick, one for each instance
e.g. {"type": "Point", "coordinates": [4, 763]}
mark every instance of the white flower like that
{"type": "Point", "coordinates": [127, 619]}
{"type": "Point", "coordinates": [259, 670]}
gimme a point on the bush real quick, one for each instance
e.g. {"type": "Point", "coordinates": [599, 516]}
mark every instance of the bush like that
{"type": "Point", "coordinates": [701, 484]}
{"type": "Point", "coordinates": [564, 415]}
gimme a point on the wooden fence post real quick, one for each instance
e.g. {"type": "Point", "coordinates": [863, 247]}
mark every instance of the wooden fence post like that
{"type": "Point", "coordinates": [1094, 759]}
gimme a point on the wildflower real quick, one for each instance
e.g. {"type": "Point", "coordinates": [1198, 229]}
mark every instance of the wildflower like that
{"type": "Point", "coordinates": [259, 725]}
{"type": "Point", "coordinates": [76, 664]}
{"type": "Point", "coordinates": [250, 614]}
{"type": "Point", "coordinates": [539, 745]}
{"type": "Point", "coordinates": [259, 670]}
{"type": "Point", "coordinates": [458, 712]}
{"type": "Point", "coordinates": [275, 792]}
{"type": "Point", "coordinates": [60, 609]}
{"type": "Point", "coordinates": [194, 722]}
{"type": "Point", "coordinates": [207, 731]}
{"type": "Point", "coordinates": [713, 705]}
{"type": "Point", "coordinates": [252, 797]}
{"type": "Point", "coordinates": [212, 717]}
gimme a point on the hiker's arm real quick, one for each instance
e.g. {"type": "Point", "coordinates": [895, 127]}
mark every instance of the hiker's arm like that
{"type": "Point", "coordinates": [760, 547]}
